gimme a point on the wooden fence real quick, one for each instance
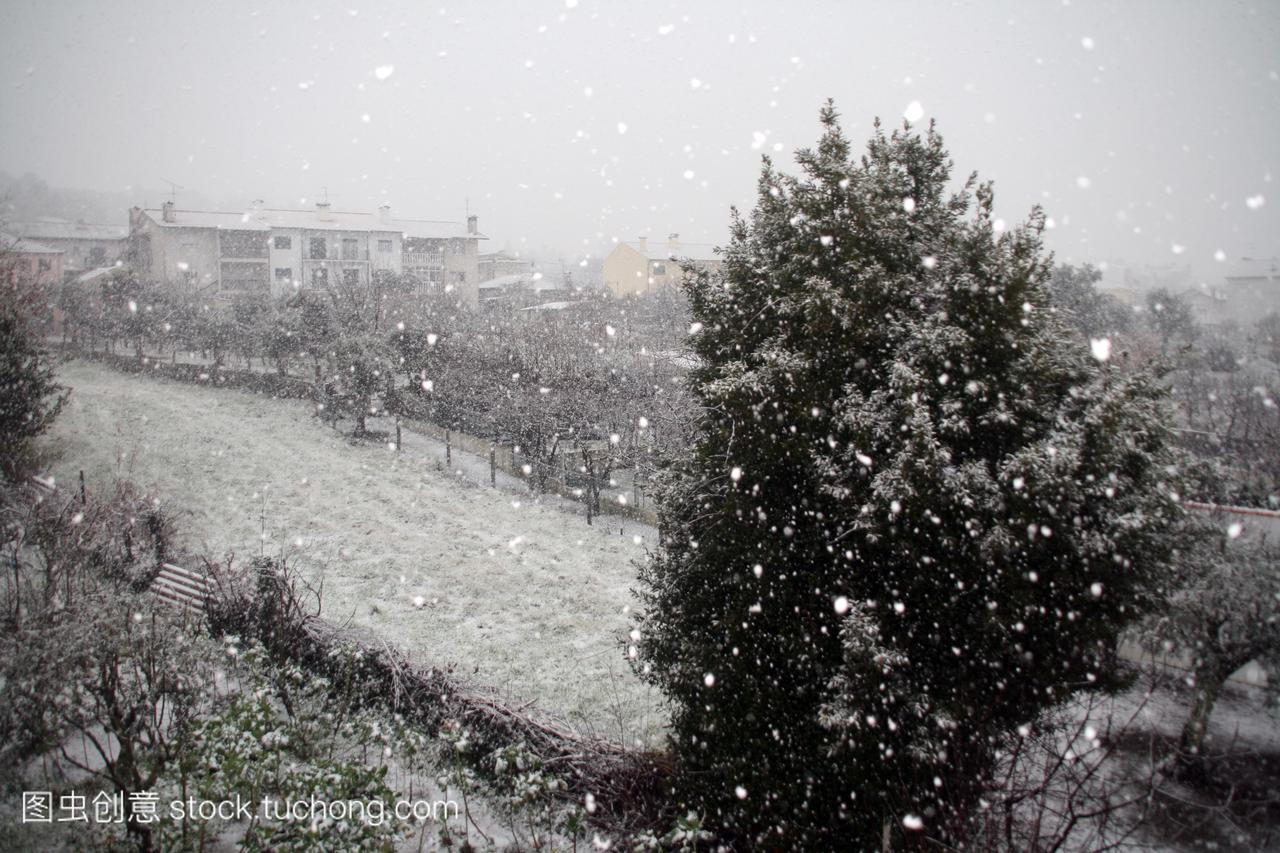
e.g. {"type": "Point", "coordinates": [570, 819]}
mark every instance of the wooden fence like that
{"type": "Point", "coordinates": [182, 588]}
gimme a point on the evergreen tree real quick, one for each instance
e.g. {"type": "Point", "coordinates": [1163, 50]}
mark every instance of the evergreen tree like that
{"type": "Point", "coordinates": [917, 513]}
{"type": "Point", "coordinates": [30, 396]}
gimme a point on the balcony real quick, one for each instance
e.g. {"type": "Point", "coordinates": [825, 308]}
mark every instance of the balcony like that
{"type": "Point", "coordinates": [422, 259]}
{"type": "Point", "coordinates": [356, 255]}
{"type": "Point", "coordinates": [336, 263]}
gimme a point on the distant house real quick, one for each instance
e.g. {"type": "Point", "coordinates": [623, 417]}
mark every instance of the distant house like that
{"type": "Point", "coordinates": [638, 268]}
{"type": "Point", "coordinates": [502, 263]}
{"type": "Point", "coordinates": [85, 245]}
{"type": "Point", "coordinates": [1252, 289]}
{"type": "Point", "coordinates": [23, 259]}
{"type": "Point", "coordinates": [523, 289]}
{"type": "Point", "coordinates": [274, 251]}
{"type": "Point", "coordinates": [1249, 291]}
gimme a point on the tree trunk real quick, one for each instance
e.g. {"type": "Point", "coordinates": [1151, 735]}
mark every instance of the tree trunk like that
{"type": "Point", "coordinates": [1210, 676]}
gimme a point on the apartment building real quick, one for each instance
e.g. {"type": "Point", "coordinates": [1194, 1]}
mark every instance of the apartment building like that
{"type": "Point", "coordinates": [274, 251]}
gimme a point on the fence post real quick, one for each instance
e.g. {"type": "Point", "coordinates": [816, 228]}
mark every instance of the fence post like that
{"type": "Point", "coordinates": [83, 498]}
{"type": "Point", "coordinates": [397, 433]}
{"type": "Point", "coordinates": [493, 465]}
{"type": "Point", "coordinates": [448, 449]}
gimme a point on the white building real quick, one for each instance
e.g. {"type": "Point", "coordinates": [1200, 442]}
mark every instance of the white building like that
{"type": "Point", "coordinates": [272, 251]}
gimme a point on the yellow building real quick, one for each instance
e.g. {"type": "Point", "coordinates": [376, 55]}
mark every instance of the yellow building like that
{"type": "Point", "coordinates": [639, 267]}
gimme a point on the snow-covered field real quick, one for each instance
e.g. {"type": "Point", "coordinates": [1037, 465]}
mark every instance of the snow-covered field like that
{"type": "Point", "coordinates": [518, 592]}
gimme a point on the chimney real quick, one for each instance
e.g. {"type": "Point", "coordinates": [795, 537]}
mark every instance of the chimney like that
{"type": "Point", "coordinates": [644, 245]}
{"type": "Point", "coordinates": [322, 211]}
{"type": "Point", "coordinates": [384, 212]}
{"type": "Point", "coordinates": [473, 224]}
{"type": "Point", "coordinates": [166, 212]}
{"type": "Point", "coordinates": [673, 244]}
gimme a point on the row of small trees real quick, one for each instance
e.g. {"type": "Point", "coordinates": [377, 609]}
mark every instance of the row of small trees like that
{"type": "Point", "coordinates": [590, 390]}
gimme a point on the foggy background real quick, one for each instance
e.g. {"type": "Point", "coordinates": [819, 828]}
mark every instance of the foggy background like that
{"type": "Point", "coordinates": [1148, 130]}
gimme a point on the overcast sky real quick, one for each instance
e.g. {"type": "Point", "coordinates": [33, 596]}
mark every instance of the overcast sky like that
{"type": "Point", "coordinates": [1148, 130]}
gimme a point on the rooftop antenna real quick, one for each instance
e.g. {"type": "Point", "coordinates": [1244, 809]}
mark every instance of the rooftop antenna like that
{"type": "Point", "coordinates": [173, 190]}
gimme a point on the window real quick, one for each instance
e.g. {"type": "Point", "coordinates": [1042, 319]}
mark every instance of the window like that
{"type": "Point", "coordinates": [320, 277]}
{"type": "Point", "coordinates": [243, 244]}
{"type": "Point", "coordinates": [319, 249]}
{"type": "Point", "coordinates": [284, 273]}
{"type": "Point", "coordinates": [458, 277]}
{"type": "Point", "coordinates": [45, 265]}
{"type": "Point", "coordinates": [350, 249]}
{"type": "Point", "coordinates": [351, 278]}
{"type": "Point", "coordinates": [426, 275]}
{"type": "Point", "coordinates": [284, 242]}
{"type": "Point", "coordinates": [384, 245]}
{"type": "Point", "coordinates": [98, 256]}
{"type": "Point", "coordinates": [659, 269]}
{"type": "Point", "coordinates": [245, 276]}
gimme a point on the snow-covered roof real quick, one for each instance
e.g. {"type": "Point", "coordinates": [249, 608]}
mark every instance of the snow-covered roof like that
{"type": "Point", "coordinates": [247, 221]}
{"type": "Point", "coordinates": [434, 229]}
{"type": "Point", "coordinates": [1255, 268]}
{"type": "Point", "coordinates": [14, 243]}
{"type": "Point", "coordinates": [530, 281]}
{"type": "Point", "coordinates": [503, 255]}
{"type": "Point", "coordinates": [266, 219]}
{"type": "Point", "coordinates": [662, 250]}
{"type": "Point", "coordinates": [550, 306]}
{"type": "Point", "coordinates": [94, 275]}
{"type": "Point", "coordinates": [61, 229]}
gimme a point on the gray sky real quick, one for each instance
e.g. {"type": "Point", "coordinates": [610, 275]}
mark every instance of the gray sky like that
{"type": "Point", "coordinates": [1148, 130]}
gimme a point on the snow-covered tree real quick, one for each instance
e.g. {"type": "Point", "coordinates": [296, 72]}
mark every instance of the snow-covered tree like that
{"type": "Point", "coordinates": [1225, 615]}
{"type": "Point", "coordinates": [30, 396]}
{"type": "Point", "coordinates": [917, 514]}
{"type": "Point", "coordinates": [1170, 318]}
{"type": "Point", "coordinates": [1075, 294]}
{"type": "Point", "coordinates": [361, 368]}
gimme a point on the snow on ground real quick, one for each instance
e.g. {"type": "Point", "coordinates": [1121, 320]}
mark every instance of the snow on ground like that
{"type": "Point", "coordinates": [518, 592]}
{"type": "Point", "coordinates": [1143, 724]}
